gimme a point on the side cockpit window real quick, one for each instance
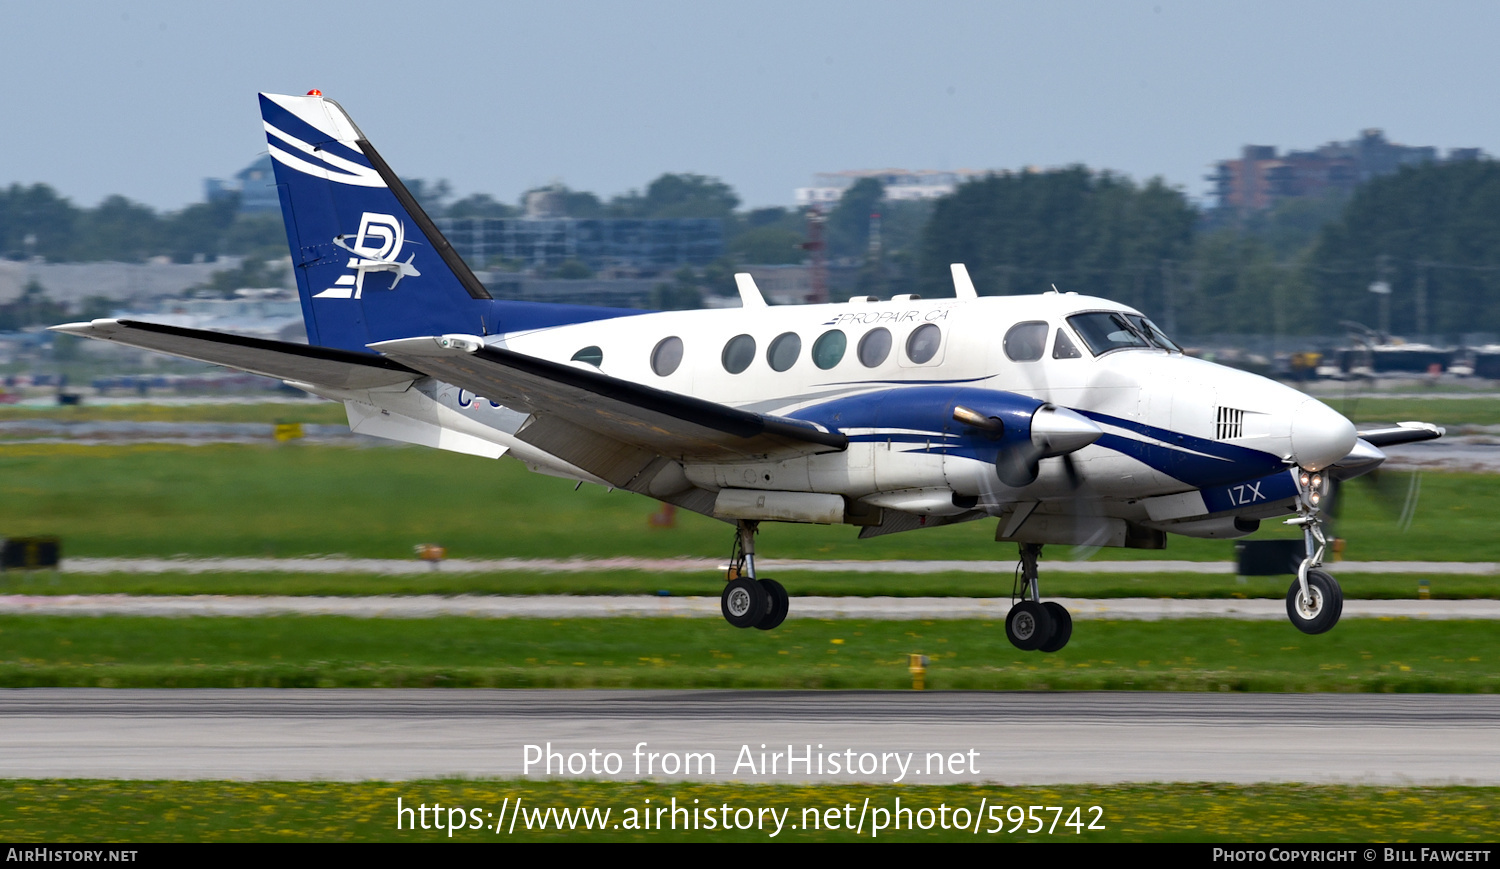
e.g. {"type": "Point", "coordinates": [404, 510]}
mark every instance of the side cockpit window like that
{"type": "Point", "coordinates": [1026, 342]}
{"type": "Point", "coordinates": [1063, 347]}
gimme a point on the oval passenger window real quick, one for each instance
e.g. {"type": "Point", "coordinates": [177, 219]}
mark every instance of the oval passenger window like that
{"type": "Point", "coordinates": [783, 352]}
{"type": "Point", "coordinates": [667, 356]}
{"type": "Point", "coordinates": [738, 353]}
{"type": "Point", "coordinates": [874, 347]}
{"type": "Point", "coordinates": [829, 349]}
{"type": "Point", "coordinates": [923, 343]}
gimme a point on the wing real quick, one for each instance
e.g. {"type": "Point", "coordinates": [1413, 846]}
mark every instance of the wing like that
{"type": "Point", "coordinates": [605, 425]}
{"type": "Point", "coordinates": [280, 359]}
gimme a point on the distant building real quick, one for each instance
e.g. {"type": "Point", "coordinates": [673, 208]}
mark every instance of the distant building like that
{"type": "Point", "coordinates": [255, 184]}
{"type": "Point", "coordinates": [637, 245]}
{"type": "Point", "coordinates": [1261, 178]}
{"type": "Point", "coordinates": [900, 184]}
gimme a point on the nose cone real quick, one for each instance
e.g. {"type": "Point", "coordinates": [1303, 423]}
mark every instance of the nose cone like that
{"type": "Point", "coordinates": [1320, 435]}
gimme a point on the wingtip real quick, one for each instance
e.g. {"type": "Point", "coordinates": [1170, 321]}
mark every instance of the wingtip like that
{"type": "Point", "coordinates": [86, 327]}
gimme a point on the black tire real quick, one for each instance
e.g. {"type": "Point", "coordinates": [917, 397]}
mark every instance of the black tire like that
{"type": "Point", "coordinates": [744, 602]}
{"type": "Point", "coordinates": [779, 603]}
{"type": "Point", "coordinates": [1323, 611]}
{"type": "Point", "coordinates": [1028, 625]}
{"type": "Point", "coordinates": [1062, 627]}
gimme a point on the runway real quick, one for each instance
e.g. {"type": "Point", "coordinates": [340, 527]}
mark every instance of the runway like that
{"type": "Point", "coordinates": [1004, 738]}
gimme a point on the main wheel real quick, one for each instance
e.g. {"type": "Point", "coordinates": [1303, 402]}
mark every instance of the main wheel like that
{"type": "Point", "coordinates": [1323, 608]}
{"type": "Point", "coordinates": [1062, 627]}
{"type": "Point", "coordinates": [744, 602]}
{"type": "Point", "coordinates": [1028, 625]}
{"type": "Point", "coordinates": [778, 605]}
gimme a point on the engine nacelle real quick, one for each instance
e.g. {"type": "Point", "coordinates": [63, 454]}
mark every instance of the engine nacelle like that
{"type": "Point", "coordinates": [1010, 432]}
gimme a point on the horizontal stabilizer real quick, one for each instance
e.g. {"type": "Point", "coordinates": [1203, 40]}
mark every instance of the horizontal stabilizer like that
{"type": "Point", "coordinates": [664, 423]}
{"type": "Point", "coordinates": [282, 360]}
{"type": "Point", "coordinates": [1402, 433]}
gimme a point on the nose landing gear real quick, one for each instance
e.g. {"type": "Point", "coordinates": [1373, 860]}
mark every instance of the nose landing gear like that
{"type": "Point", "coordinates": [748, 601]}
{"type": "Point", "coordinates": [1315, 601]}
{"type": "Point", "coordinates": [1031, 624]}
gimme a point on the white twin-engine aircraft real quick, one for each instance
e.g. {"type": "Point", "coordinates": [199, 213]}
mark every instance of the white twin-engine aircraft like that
{"type": "Point", "coordinates": [1069, 419]}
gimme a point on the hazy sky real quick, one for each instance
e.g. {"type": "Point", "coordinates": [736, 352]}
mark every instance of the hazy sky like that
{"type": "Point", "coordinates": [146, 99]}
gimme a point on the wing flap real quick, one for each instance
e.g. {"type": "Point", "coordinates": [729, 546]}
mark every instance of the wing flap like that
{"type": "Point", "coordinates": [653, 421]}
{"type": "Point", "coordinates": [282, 360]}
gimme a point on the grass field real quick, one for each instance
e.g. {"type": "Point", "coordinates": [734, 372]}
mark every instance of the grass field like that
{"type": "Point", "coordinates": [311, 411]}
{"type": "Point", "coordinates": [1362, 655]}
{"type": "Point", "coordinates": [1061, 579]}
{"type": "Point", "coordinates": [1452, 412]}
{"type": "Point", "coordinates": [299, 499]}
{"type": "Point", "coordinates": [58, 812]}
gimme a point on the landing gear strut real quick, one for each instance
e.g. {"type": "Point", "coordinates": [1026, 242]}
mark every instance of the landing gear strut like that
{"type": "Point", "coordinates": [1031, 624]}
{"type": "Point", "coordinates": [1315, 601]}
{"type": "Point", "coordinates": [748, 601]}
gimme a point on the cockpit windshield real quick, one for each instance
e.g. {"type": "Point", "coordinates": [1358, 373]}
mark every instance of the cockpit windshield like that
{"type": "Point", "coordinates": [1104, 331]}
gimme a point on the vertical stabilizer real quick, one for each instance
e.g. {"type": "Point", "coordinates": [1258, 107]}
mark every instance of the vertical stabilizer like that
{"type": "Point", "coordinates": [370, 264]}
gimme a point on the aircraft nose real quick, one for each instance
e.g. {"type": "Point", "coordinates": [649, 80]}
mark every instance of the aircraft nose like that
{"type": "Point", "coordinates": [1320, 435]}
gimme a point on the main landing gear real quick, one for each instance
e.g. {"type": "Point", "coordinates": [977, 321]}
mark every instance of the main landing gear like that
{"type": "Point", "coordinates": [748, 601]}
{"type": "Point", "coordinates": [1031, 624]}
{"type": "Point", "coordinates": [1315, 601]}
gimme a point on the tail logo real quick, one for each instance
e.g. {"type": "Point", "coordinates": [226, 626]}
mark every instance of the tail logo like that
{"type": "Point", "coordinates": [380, 239]}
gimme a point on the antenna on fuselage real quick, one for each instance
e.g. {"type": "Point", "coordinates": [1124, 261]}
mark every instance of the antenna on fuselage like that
{"type": "Point", "coordinates": [750, 296]}
{"type": "Point", "coordinates": [1056, 291]}
{"type": "Point", "coordinates": [963, 285]}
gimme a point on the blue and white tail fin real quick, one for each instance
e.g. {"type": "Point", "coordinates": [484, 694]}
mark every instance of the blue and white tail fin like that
{"type": "Point", "coordinates": [371, 266]}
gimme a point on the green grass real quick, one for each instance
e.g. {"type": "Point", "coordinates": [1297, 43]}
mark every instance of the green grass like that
{"type": "Point", "coordinates": [56, 812]}
{"type": "Point", "coordinates": [1360, 655]}
{"type": "Point", "coordinates": [1059, 579]}
{"type": "Point", "coordinates": [311, 411]}
{"type": "Point", "coordinates": [1451, 412]}
{"type": "Point", "coordinates": [299, 499]}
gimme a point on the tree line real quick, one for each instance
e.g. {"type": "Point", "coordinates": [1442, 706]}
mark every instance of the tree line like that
{"type": "Point", "coordinates": [1430, 233]}
{"type": "Point", "coordinates": [1305, 267]}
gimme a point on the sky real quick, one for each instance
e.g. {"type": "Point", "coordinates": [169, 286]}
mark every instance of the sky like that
{"type": "Point", "coordinates": [146, 99]}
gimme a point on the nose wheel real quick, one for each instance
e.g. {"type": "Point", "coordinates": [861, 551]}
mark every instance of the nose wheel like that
{"type": "Point", "coordinates": [1319, 608]}
{"type": "Point", "coordinates": [1032, 625]}
{"type": "Point", "coordinates": [1315, 601]}
{"type": "Point", "coordinates": [748, 601]}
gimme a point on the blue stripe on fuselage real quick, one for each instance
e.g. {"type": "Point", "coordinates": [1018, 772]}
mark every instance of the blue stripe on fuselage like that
{"type": "Point", "coordinates": [1196, 461]}
{"type": "Point", "coordinates": [1199, 462]}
